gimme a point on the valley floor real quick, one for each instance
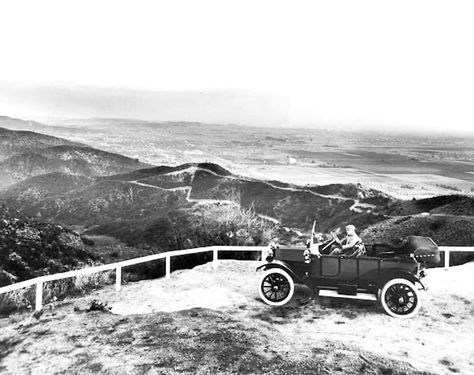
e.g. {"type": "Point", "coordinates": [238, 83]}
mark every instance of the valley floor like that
{"type": "Point", "coordinates": [398, 185]}
{"type": "Point", "coordinates": [205, 321]}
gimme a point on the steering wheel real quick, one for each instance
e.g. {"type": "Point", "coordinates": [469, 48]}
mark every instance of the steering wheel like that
{"type": "Point", "coordinates": [328, 244]}
{"type": "Point", "coordinates": [335, 238]}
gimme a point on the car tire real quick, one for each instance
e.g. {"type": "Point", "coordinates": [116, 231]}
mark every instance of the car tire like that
{"type": "Point", "coordinates": [276, 287]}
{"type": "Point", "coordinates": [400, 298]}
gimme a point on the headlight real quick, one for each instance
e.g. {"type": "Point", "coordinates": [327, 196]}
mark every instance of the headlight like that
{"type": "Point", "coordinates": [269, 253]}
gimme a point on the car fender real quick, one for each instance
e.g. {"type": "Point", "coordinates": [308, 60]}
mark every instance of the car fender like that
{"type": "Point", "coordinates": [398, 274]}
{"type": "Point", "coordinates": [281, 265]}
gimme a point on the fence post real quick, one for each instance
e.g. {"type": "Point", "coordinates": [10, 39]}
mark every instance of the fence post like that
{"type": "Point", "coordinates": [118, 279]}
{"type": "Point", "coordinates": [168, 267]}
{"type": "Point", "coordinates": [215, 259]}
{"type": "Point", "coordinates": [446, 259]}
{"type": "Point", "coordinates": [39, 295]}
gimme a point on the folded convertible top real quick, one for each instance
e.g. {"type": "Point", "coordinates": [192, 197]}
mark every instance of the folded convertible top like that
{"type": "Point", "coordinates": [424, 248]}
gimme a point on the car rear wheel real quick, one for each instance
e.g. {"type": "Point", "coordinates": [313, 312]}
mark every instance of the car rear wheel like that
{"type": "Point", "coordinates": [400, 298]}
{"type": "Point", "coordinates": [276, 287]}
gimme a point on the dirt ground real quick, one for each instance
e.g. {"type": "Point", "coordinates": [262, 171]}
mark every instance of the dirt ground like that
{"type": "Point", "coordinates": [212, 321]}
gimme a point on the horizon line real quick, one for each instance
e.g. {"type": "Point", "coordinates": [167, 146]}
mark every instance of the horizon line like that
{"type": "Point", "coordinates": [340, 128]}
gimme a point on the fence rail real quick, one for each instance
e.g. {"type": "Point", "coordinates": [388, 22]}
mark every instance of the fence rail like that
{"type": "Point", "coordinates": [452, 249]}
{"type": "Point", "coordinates": [39, 281]}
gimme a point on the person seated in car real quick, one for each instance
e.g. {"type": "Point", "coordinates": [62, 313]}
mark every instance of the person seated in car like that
{"type": "Point", "coordinates": [351, 246]}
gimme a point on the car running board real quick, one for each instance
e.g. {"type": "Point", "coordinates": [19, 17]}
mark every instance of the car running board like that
{"type": "Point", "coordinates": [333, 293]}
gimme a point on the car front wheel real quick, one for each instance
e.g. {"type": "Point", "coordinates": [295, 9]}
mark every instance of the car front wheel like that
{"type": "Point", "coordinates": [276, 287]}
{"type": "Point", "coordinates": [400, 298]}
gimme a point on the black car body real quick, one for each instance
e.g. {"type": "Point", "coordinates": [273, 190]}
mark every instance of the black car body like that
{"type": "Point", "coordinates": [367, 277]}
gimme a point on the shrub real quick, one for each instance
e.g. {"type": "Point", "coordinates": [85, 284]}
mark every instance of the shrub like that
{"type": "Point", "coordinates": [231, 225]}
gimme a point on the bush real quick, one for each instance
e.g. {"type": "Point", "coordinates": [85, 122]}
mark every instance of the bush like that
{"type": "Point", "coordinates": [231, 225]}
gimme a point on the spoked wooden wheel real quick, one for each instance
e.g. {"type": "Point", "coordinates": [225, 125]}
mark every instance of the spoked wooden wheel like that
{"type": "Point", "coordinates": [276, 287]}
{"type": "Point", "coordinates": [400, 299]}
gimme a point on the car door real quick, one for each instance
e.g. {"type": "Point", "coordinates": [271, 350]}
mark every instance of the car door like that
{"type": "Point", "coordinates": [326, 266]}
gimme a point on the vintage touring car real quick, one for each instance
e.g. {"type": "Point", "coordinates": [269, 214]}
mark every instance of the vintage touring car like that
{"type": "Point", "coordinates": [386, 273]}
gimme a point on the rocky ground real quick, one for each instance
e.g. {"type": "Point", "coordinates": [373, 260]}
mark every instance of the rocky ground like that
{"type": "Point", "coordinates": [205, 321]}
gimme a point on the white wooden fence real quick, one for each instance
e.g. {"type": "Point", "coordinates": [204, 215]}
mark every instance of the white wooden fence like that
{"type": "Point", "coordinates": [450, 249]}
{"type": "Point", "coordinates": [39, 281]}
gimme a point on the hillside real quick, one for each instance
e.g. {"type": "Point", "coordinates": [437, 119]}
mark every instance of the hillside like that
{"type": "Point", "coordinates": [161, 199]}
{"type": "Point", "coordinates": [82, 161]}
{"type": "Point", "coordinates": [13, 123]}
{"type": "Point", "coordinates": [167, 207]}
{"type": "Point", "coordinates": [205, 321]}
{"type": "Point", "coordinates": [29, 249]}
{"type": "Point", "coordinates": [13, 142]}
{"type": "Point", "coordinates": [26, 154]}
{"type": "Point", "coordinates": [454, 204]}
{"type": "Point", "coordinates": [460, 207]}
{"type": "Point", "coordinates": [41, 187]}
{"type": "Point", "coordinates": [443, 229]}
{"type": "Point", "coordinates": [107, 201]}
{"type": "Point", "coordinates": [292, 206]}
{"type": "Point", "coordinates": [20, 124]}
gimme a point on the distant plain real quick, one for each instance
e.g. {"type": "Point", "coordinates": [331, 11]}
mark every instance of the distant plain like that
{"type": "Point", "coordinates": [403, 165]}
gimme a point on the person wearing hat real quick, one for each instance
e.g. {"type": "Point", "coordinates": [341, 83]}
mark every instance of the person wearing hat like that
{"type": "Point", "coordinates": [351, 245]}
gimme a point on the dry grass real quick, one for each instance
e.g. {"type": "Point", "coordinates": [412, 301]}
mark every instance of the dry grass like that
{"type": "Point", "coordinates": [238, 225]}
{"type": "Point", "coordinates": [24, 299]}
{"type": "Point", "coordinates": [18, 299]}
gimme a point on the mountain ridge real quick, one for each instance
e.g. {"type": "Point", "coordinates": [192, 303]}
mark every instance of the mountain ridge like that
{"type": "Point", "coordinates": [27, 154]}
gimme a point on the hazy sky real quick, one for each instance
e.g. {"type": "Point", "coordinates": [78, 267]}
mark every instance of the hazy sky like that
{"type": "Point", "coordinates": [359, 64]}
